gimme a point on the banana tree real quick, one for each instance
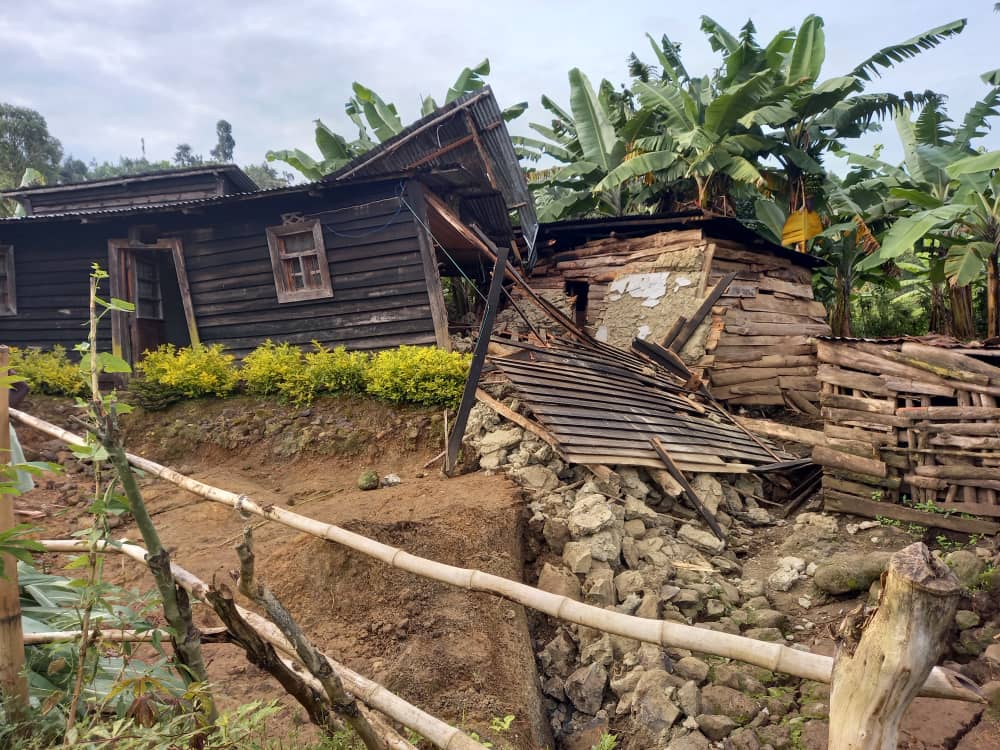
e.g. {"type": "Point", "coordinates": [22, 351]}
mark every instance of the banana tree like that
{"type": "Point", "coordinates": [377, 121]}
{"type": "Point", "coordinates": [946, 193]}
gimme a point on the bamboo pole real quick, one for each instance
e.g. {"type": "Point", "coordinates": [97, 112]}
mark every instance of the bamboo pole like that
{"type": "Point", "coordinates": [370, 693]}
{"type": "Point", "coordinates": [13, 683]}
{"type": "Point", "coordinates": [773, 656]}
{"type": "Point", "coordinates": [107, 635]}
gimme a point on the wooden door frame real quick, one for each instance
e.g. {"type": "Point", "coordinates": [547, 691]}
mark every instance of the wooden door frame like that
{"type": "Point", "coordinates": [122, 330]}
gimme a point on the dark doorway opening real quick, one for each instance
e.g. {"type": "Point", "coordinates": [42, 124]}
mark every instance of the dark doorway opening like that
{"type": "Point", "coordinates": [579, 290]}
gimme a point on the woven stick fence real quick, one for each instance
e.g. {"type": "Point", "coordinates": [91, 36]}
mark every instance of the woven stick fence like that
{"type": "Point", "coordinates": [776, 657]}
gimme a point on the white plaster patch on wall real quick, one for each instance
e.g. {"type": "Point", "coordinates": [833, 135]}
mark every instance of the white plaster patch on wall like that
{"type": "Point", "coordinates": [682, 281]}
{"type": "Point", "coordinates": [643, 332]}
{"type": "Point", "coordinates": [601, 334]}
{"type": "Point", "coordinates": [649, 287]}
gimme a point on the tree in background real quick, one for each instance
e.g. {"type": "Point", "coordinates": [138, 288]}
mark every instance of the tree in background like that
{"type": "Point", "coordinates": [185, 157]}
{"type": "Point", "coordinates": [25, 143]}
{"type": "Point", "coordinates": [223, 151]}
{"type": "Point", "coordinates": [267, 177]}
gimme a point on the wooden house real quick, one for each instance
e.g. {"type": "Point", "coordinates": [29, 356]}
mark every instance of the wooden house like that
{"type": "Point", "coordinates": [729, 302]}
{"type": "Point", "coordinates": [354, 259]}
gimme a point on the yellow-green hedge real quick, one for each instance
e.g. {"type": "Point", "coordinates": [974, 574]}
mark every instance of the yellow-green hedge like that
{"type": "Point", "coordinates": [49, 371]}
{"type": "Point", "coordinates": [408, 375]}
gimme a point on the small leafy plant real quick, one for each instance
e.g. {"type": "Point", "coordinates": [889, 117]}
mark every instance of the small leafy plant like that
{"type": "Point", "coordinates": [51, 372]}
{"type": "Point", "coordinates": [418, 375]}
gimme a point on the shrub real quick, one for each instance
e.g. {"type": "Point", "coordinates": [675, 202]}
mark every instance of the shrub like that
{"type": "Point", "coordinates": [49, 372]}
{"type": "Point", "coordinates": [191, 372]}
{"type": "Point", "coordinates": [418, 375]}
{"type": "Point", "coordinates": [273, 369]}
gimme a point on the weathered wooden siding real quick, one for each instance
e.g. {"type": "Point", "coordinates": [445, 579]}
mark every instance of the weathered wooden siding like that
{"type": "Point", "coordinates": [52, 271]}
{"type": "Point", "coordinates": [380, 297]}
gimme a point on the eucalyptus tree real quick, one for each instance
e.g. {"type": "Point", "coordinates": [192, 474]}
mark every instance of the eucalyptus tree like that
{"type": "Point", "coordinates": [376, 121]}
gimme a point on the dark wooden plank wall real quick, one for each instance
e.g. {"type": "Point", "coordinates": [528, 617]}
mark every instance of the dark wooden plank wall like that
{"type": "Point", "coordinates": [380, 297]}
{"type": "Point", "coordinates": [52, 272]}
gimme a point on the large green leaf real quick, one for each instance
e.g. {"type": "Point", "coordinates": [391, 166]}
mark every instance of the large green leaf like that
{"type": "Point", "coordinates": [966, 262]}
{"type": "Point", "coordinates": [382, 117]}
{"type": "Point", "coordinates": [909, 230]}
{"type": "Point", "coordinates": [809, 51]}
{"type": "Point", "coordinates": [638, 166]}
{"type": "Point", "coordinates": [978, 163]}
{"type": "Point", "coordinates": [669, 57]}
{"type": "Point", "coordinates": [727, 108]}
{"type": "Point", "coordinates": [331, 145]}
{"type": "Point", "coordinates": [916, 197]}
{"type": "Point", "coordinates": [889, 56]}
{"type": "Point", "coordinates": [299, 160]}
{"type": "Point", "coordinates": [598, 140]}
{"type": "Point", "coordinates": [667, 97]}
{"type": "Point", "coordinates": [826, 94]}
{"type": "Point", "coordinates": [780, 45]}
{"type": "Point", "coordinates": [974, 124]}
{"type": "Point", "coordinates": [720, 39]}
{"type": "Point", "coordinates": [514, 111]}
{"type": "Point", "coordinates": [771, 217]}
{"type": "Point", "coordinates": [470, 79]}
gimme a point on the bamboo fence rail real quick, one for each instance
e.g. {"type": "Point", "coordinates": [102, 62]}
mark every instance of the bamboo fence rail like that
{"type": "Point", "coordinates": [370, 693]}
{"type": "Point", "coordinates": [773, 656]}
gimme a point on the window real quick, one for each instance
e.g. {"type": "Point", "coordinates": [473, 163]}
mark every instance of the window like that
{"type": "Point", "coordinates": [298, 258]}
{"type": "Point", "coordinates": [8, 291]}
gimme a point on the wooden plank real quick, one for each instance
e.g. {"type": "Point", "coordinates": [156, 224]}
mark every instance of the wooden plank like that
{"type": "Point", "coordinates": [846, 378]}
{"type": "Point", "coordinates": [864, 418]}
{"type": "Point", "coordinates": [783, 342]}
{"type": "Point", "coordinates": [976, 509]}
{"type": "Point", "coordinates": [856, 433]}
{"type": "Point", "coordinates": [678, 324]}
{"type": "Point", "coordinates": [949, 412]}
{"type": "Point", "coordinates": [689, 492]}
{"type": "Point", "coordinates": [840, 502]}
{"type": "Point", "coordinates": [949, 358]}
{"type": "Point", "coordinates": [769, 303]}
{"type": "Point", "coordinates": [776, 329]}
{"type": "Point", "coordinates": [699, 314]}
{"type": "Point", "coordinates": [777, 361]}
{"type": "Point", "coordinates": [478, 358]}
{"type": "Point", "coordinates": [771, 284]}
{"type": "Point", "coordinates": [432, 276]}
{"type": "Point", "coordinates": [857, 403]}
{"type": "Point", "coordinates": [736, 355]}
{"type": "Point", "coordinates": [749, 373]}
{"type": "Point", "coordinates": [825, 456]}
{"type": "Point", "coordinates": [180, 269]}
{"type": "Point", "coordinates": [783, 431]}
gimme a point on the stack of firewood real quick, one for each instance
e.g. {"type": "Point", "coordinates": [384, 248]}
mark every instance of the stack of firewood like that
{"type": "Point", "coordinates": [908, 420]}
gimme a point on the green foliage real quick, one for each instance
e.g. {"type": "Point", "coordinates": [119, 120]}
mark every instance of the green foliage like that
{"type": "Point", "coordinates": [335, 371]}
{"type": "Point", "coordinates": [189, 372]}
{"type": "Point", "coordinates": [270, 369]}
{"type": "Point", "coordinates": [607, 742]}
{"type": "Point", "coordinates": [49, 372]}
{"type": "Point", "coordinates": [418, 375]}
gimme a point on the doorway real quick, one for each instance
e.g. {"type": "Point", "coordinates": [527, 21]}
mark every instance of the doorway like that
{"type": "Point", "coordinates": [152, 277]}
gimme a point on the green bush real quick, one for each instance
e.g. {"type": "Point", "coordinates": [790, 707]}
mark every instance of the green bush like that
{"type": "Point", "coordinates": [273, 369]}
{"type": "Point", "coordinates": [191, 372]}
{"type": "Point", "coordinates": [49, 372]}
{"type": "Point", "coordinates": [333, 372]}
{"type": "Point", "coordinates": [418, 375]}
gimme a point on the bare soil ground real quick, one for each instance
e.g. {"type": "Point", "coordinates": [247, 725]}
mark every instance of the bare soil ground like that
{"type": "Point", "coordinates": [463, 656]}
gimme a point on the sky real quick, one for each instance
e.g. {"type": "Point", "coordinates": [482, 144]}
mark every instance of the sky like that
{"type": "Point", "coordinates": [108, 74]}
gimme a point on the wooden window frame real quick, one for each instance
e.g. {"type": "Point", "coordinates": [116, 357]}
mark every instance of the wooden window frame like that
{"type": "Point", "coordinates": [275, 238]}
{"type": "Point", "coordinates": [8, 259]}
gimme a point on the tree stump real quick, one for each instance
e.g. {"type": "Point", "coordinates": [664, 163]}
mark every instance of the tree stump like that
{"type": "Point", "coordinates": [877, 676]}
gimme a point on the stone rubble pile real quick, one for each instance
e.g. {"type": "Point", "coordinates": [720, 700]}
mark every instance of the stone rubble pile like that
{"type": "Point", "coordinates": [626, 545]}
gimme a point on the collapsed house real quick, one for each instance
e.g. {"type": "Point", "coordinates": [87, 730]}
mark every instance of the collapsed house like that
{"type": "Point", "coordinates": [353, 259]}
{"type": "Point", "coordinates": [911, 420]}
{"type": "Point", "coordinates": [736, 307]}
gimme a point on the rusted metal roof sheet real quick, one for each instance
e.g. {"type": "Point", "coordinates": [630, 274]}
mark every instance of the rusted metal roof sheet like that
{"type": "Point", "coordinates": [603, 405]}
{"type": "Point", "coordinates": [469, 138]}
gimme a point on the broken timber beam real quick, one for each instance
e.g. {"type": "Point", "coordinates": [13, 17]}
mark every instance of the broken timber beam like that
{"type": "Point", "coordinates": [689, 492]}
{"type": "Point", "coordinates": [478, 360]}
{"type": "Point", "coordinates": [841, 502]}
{"type": "Point", "coordinates": [687, 331]}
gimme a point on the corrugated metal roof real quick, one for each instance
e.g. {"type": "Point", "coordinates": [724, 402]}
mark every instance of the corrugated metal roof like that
{"type": "Point", "coordinates": [603, 405]}
{"type": "Point", "coordinates": [236, 174]}
{"type": "Point", "coordinates": [444, 139]}
{"type": "Point", "coordinates": [561, 234]}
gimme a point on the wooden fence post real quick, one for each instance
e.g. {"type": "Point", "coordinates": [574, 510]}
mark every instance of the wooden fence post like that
{"type": "Point", "coordinates": [875, 678]}
{"type": "Point", "coordinates": [13, 683]}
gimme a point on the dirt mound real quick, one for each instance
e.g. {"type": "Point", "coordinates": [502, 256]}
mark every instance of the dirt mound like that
{"type": "Point", "coordinates": [463, 656]}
